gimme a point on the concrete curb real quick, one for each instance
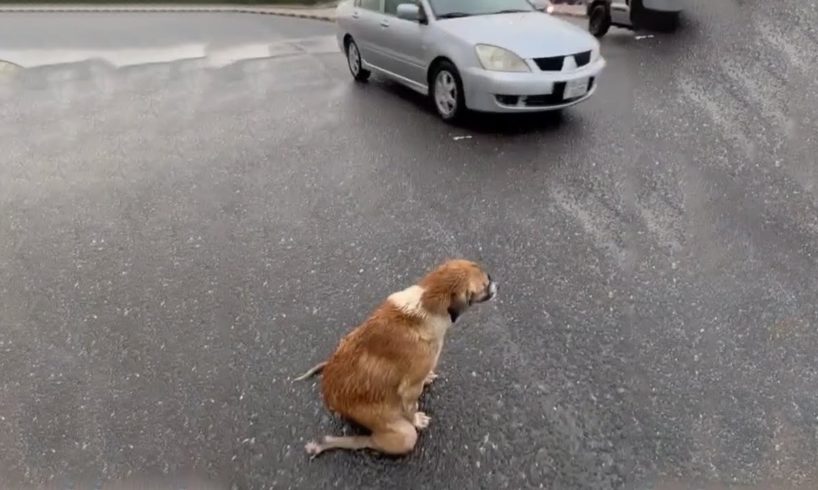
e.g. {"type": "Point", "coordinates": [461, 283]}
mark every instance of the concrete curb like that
{"type": "Point", "coordinates": [307, 14]}
{"type": "Point", "coordinates": [294, 12]}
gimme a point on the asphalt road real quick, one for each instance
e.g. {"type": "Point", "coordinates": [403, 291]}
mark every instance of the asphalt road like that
{"type": "Point", "coordinates": [179, 238]}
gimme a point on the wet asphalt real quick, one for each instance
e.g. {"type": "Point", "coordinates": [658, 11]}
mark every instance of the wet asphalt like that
{"type": "Point", "coordinates": [178, 239]}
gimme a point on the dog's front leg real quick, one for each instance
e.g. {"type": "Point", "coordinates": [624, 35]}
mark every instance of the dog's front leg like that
{"type": "Point", "coordinates": [410, 393]}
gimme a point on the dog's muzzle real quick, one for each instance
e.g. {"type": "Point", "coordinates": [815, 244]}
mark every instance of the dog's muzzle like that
{"type": "Point", "coordinates": [492, 290]}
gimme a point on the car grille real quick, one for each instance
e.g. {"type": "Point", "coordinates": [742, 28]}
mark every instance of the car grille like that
{"type": "Point", "coordinates": [554, 63]}
{"type": "Point", "coordinates": [583, 58]}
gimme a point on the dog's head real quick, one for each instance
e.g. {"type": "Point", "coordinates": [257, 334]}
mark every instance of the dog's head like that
{"type": "Point", "coordinates": [456, 285]}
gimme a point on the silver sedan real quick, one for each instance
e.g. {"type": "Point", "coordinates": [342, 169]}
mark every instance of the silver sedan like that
{"type": "Point", "coordinates": [481, 55]}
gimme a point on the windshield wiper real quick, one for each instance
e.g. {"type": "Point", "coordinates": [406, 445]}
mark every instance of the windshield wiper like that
{"type": "Point", "coordinates": [453, 15]}
{"type": "Point", "coordinates": [508, 11]}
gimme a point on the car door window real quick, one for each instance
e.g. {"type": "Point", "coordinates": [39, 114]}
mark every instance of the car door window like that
{"type": "Point", "coordinates": [391, 6]}
{"type": "Point", "coordinates": [370, 5]}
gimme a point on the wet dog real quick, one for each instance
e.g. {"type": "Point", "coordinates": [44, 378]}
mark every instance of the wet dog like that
{"type": "Point", "coordinates": [377, 373]}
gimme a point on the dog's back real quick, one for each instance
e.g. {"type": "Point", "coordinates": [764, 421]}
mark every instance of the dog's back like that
{"type": "Point", "coordinates": [361, 380]}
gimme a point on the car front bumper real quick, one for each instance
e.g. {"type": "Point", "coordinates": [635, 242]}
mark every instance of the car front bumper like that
{"type": "Point", "coordinates": [535, 91]}
{"type": "Point", "coordinates": [664, 5]}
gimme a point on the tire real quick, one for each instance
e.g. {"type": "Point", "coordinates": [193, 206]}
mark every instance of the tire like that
{"type": "Point", "coordinates": [354, 62]}
{"type": "Point", "coordinates": [446, 92]}
{"type": "Point", "coordinates": [653, 20]}
{"type": "Point", "coordinates": [599, 20]}
{"type": "Point", "coordinates": [638, 14]}
{"type": "Point", "coordinates": [664, 21]}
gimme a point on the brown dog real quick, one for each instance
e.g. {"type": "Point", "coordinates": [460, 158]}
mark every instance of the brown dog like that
{"type": "Point", "coordinates": [378, 371]}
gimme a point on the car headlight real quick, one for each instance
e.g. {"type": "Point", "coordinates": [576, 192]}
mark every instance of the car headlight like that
{"type": "Point", "coordinates": [549, 7]}
{"type": "Point", "coordinates": [595, 54]}
{"type": "Point", "coordinates": [498, 59]}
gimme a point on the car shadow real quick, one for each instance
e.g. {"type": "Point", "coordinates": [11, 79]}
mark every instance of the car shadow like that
{"type": "Point", "coordinates": [479, 122]}
{"type": "Point", "coordinates": [513, 124]}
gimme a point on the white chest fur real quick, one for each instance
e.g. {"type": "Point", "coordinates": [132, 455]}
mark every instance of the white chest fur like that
{"type": "Point", "coordinates": [434, 326]}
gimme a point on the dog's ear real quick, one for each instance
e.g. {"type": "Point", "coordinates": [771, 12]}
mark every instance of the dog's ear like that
{"type": "Point", "coordinates": [459, 303]}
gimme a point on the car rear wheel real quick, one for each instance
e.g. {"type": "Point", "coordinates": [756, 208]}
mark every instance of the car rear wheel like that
{"type": "Point", "coordinates": [653, 20]}
{"type": "Point", "coordinates": [355, 63]}
{"type": "Point", "coordinates": [663, 21]}
{"type": "Point", "coordinates": [599, 20]}
{"type": "Point", "coordinates": [446, 92]}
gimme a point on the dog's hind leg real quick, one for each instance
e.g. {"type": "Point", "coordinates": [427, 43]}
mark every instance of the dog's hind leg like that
{"type": "Point", "coordinates": [397, 438]}
{"type": "Point", "coordinates": [330, 442]}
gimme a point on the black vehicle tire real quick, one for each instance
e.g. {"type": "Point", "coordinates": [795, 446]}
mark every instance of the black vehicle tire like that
{"type": "Point", "coordinates": [446, 91]}
{"type": "Point", "coordinates": [355, 63]}
{"type": "Point", "coordinates": [664, 21]}
{"type": "Point", "coordinates": [652, 20]}
{"type": "Point", "coordinates": [599, 20]}
{"type": "Point", "coordinates": [638, 17]}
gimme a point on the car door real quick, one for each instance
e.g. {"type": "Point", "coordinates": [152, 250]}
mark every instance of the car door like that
{"type": "Point", "coordinates": [368, 17]}
{"type": "Point", "coordinates": [403, 41]}
{"type": "Point", "coordinates": [621, 12]}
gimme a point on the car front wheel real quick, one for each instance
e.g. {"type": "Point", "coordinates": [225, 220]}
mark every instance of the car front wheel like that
{"type": "Point", "coordinates": [653, 20]}
{"type": "Point", "coordinates": [663, 22]}
{"type": "Point", "coordinates": [355, 63]}
{"type": "Point", "coordinates": [446, 92]}
{"type": "Point", "coordinates": [599, 20]}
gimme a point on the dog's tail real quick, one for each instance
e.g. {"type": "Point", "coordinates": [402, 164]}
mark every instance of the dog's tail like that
{"type": "Point", "coordinates": [312, 372]}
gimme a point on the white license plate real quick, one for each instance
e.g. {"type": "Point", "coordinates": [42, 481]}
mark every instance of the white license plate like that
{"type": "Point", "coordinates": [575, 88]}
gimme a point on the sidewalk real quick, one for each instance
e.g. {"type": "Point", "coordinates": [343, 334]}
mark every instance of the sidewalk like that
{"type": "Point", "coordinates": [325, 12]}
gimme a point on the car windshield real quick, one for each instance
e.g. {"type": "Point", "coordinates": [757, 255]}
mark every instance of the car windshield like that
{"type": "Point", "coordinates": [463, 8]}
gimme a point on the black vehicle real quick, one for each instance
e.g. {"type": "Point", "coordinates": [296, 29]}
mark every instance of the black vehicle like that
{"type": "Point", "coordinates": [659, 15]}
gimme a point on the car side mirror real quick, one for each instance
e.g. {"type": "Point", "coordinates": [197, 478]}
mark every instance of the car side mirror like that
{"type": "Point", "coordinates": [542, 5]}
{"type": "Point", "coordinates": [410, 12]}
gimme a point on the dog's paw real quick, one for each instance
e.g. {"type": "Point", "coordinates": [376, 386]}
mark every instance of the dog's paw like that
{"type": "Point", "coordinates": [421, 420]}
{"type": "Point", "coordinates": [430, 378]}
{"type": "Point", "coordinates": [313, 448]}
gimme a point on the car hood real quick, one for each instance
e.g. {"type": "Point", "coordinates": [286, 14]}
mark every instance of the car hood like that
{"type": "Point", "coordinates": [528, 34]}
